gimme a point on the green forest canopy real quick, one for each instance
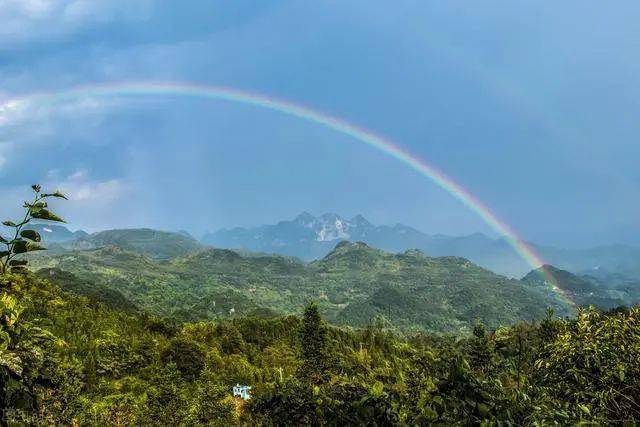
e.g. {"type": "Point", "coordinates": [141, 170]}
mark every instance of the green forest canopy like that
{"type": "Point", "coordinates": [67, 359]}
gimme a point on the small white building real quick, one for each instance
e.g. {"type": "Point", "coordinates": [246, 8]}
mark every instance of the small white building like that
{"type": "Point", "coordinates": [242, 391]}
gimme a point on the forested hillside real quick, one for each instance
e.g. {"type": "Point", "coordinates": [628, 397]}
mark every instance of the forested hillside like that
{"type": "Point", "coordinates": [605, 291]}
{"type": "Point", "coordinates": [72, 360]}
{"type": "Point", "coordinates": [155, 244]}
{"type": "Point", "coordinates": [311, 237]}
{"type": "Point", "coordinates": [65, 359]}
{"type": "Point", "coordinates": [353, 285]}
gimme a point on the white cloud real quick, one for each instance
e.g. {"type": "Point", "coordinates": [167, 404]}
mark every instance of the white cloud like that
{"type": "Point", "coordinates": [10, 111]}
{"type": "Point", "coordinates": [28, 20]}
{"type": "Point", "coordinates": [80, 187]}
{"type": "Point", "coordinates": [78, 175]}
{"type": "Point", "coordinates": [19, 111]}
{"type": "Point", "coordinates": [95, 204]}
{"type": "Point", "coordinates": [103, 191]}
{"type": "Point", "coordinates": [29, 123]}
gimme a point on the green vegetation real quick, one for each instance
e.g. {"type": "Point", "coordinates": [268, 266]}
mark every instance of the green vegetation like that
{"type": "Point", "coordinates": [353, 285]}
{"type": "Point", "coordinates": [309, 238]}
{"type": "Point", "coordinates": [24, 240]}
{"type": "Point", "coordinates": [605, 292]}
{"type": "Point", "coordinates": [65, 359]}
{"type": "Point", "coordinates": [315, 366]}
{"type": "Point", "coordinates": [72, 360]}
{"type": "Point", "coordinates": [156, 244]}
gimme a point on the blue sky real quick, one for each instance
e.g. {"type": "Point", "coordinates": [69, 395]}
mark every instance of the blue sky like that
{"type": "Point", "coordinates": [531, 106]}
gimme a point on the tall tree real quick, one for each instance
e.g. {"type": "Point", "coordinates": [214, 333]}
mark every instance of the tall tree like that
{"type": "Point", "coordinates": [314, 346]}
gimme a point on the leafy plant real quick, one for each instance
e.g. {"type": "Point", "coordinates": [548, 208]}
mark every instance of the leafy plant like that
{"type": "Point", "coordinates": [26, 240]}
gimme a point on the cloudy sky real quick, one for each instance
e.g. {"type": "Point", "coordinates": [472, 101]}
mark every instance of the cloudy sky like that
{"type": "Point", "coordinates": [533, 107]}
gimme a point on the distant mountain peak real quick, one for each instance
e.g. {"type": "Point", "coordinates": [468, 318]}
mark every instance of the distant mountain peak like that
{"type": "Point", "coordinates": [479, 236]}
{"type": "Point", "coordinates": [343, 244]}
{"type": "Point", "coordinates": [361, 221]}
{"type": "Point", "coordinates": [329, 216]}
{"type": "Point", "coordinates": [332, 227]}
{"type": "Point", "coordinates": [153, 243]}
{"type": "Point", "coordinates": [185, 233]}
{"type": "Point", "coordinates": [54, 233]}
{"type": "Point", "coordinates": [305, 218]}
{"type": "Point", "coordinates": [356, 254]}
{"type": "Point", "coordinates": [311, 237]}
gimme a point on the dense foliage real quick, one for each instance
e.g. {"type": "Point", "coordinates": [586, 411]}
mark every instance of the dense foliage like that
{"type": "Point", "coordinates": [68, 359]}
{"type": "Point", "coordinates": [352, 285]}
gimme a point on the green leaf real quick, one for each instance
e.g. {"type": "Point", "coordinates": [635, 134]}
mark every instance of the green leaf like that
{"type": "Point", "coordinates": [18, 262]}
{"type": "Point", "coordinates": [438, 400]}
{"type": "Point", "coordinates": [32, 247]}
{"type": "Point", "coordinates": [5, 340]}
{"type": "Point", "coordinates": [31, 235]}
{"type": "Point", "coordinates": [56, 194]}
{"type": "Point", "coordinates": [37, 205]}
{"type": "Point", "coordinates": [20, 247]}
{"type": "Point", "coordinates": [483, 409]}
{"type": "Point", "coordinates": [23, 246]}
{"type": "Point", "coordinates": [9, 223]}
{"type": "Point", "coordinates": [3, 240]}
{"type": "Point", "coordinates": [377, 389]}
{"type": "Point", "coordinates": [11, 361]}
{"type": "Point", "coordinates": [4, 254]}
{"type": "Point", "coordinates": [46, 215]}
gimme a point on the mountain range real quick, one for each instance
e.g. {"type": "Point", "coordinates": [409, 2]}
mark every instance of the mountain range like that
{"type": "Point", "coordinates": [605, 292]}
{"type": "Point", "coordinates": [311, 237]}
{"type": "Point", "coordinates": [153, 243]}
{"type": "Point", "coordinates": [173, 275]}
{"type": "Point", "coordinates": [354, 285]}
{"type": "Point", "coordinates": [53, 233]}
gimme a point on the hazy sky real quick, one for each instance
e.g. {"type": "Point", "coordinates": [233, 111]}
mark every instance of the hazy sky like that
{"type": "Point", "coordinates": [534, 107]}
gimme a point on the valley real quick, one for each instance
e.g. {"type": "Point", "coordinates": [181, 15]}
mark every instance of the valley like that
{"type": "Point", "coordinates": [171, 275]}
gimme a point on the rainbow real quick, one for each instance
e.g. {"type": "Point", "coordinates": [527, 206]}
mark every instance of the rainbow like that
{"type": "Point", "coordinates": [305, 113]}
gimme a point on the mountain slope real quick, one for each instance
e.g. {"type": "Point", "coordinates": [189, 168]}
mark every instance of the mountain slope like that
{"type": "Point", "coordinates": [614, 259]}
{"type": "Point", "coordinates": [308, 237]}
{"type": "Point", "coordinates": [445, 293]}
{"type": "Point", "coordinates": [604, 293]}
{"type": "Point", "coordinates": [53, 233]}
{"type": "Point", "coordinates": [353, 284]}
{"type": "Point", "coordinates": [153, 243]}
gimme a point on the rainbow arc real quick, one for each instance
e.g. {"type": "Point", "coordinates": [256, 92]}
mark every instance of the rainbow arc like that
{"type": "Point", "coordinates": [360, 134]}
